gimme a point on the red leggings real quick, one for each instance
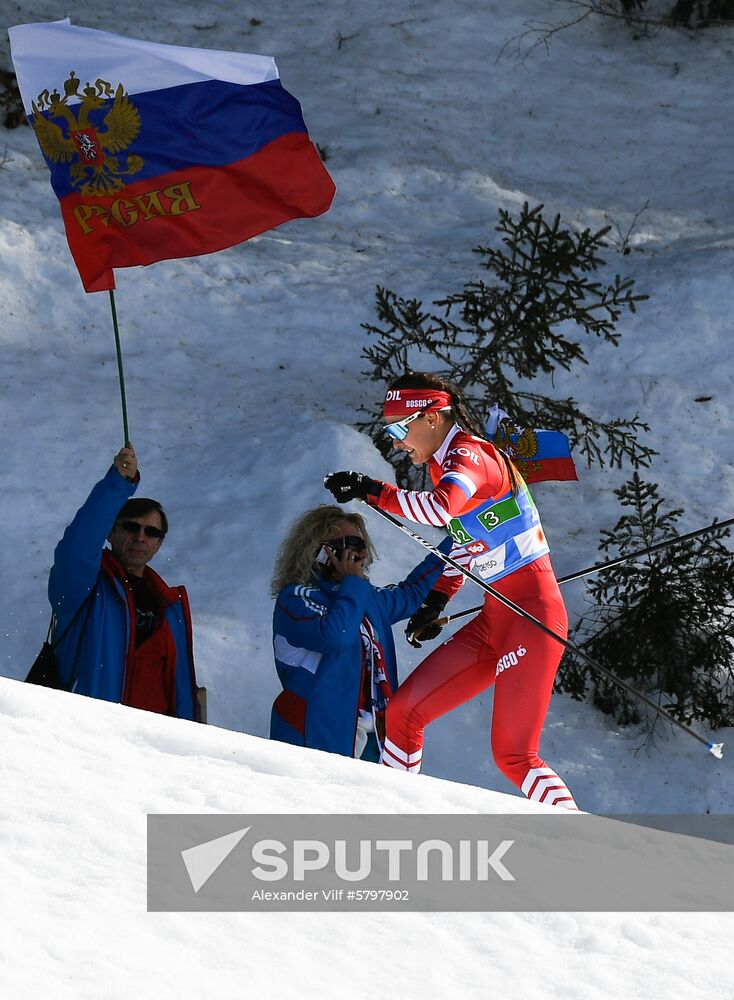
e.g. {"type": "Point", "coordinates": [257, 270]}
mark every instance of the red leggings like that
{"type": "Point", "coordinates": [501, 648]}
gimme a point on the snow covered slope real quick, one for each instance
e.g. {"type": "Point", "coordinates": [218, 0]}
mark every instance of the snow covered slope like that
{"type": "Point", "coordinates": [243, 377]}
{"type": "Point", "coordinates": [78, 779]}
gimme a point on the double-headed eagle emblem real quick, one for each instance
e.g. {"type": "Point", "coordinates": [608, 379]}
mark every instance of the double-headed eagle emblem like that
{"type": "Point", "coordinates": [97, 171]}
{"type": "Point", "coordinates": [519, 442]}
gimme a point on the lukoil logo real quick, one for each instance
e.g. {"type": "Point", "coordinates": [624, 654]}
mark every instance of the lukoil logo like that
{"type": "Point", "coordinates": [297, 859]}
{"type": "Point", "coordinates": [510, 659]}
{"type": "Point", "coordinates": [465, 453]}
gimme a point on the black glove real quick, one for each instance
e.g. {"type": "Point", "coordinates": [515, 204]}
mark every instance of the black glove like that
{"type": "Point", "coordinates": [423, 625]}
{"type": "Point", "coordinates": [345, 486]}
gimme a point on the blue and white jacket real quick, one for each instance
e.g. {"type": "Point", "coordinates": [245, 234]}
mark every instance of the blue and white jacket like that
{"type": "Point", "coordinates": [318, 651]}
{"type": "Point", "coordinates": [102, 631]}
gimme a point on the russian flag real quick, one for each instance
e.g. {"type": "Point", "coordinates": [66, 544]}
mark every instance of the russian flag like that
{"type": "Point", "coordinates": [540, 456]}
{"type": "Point", "coordinates": [551, 462]}
{"type": "Point", "coordinates": [159, 151]}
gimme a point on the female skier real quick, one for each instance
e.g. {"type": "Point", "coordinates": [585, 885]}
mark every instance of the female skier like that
{"type": "Point", "coordinates": [484, 503]}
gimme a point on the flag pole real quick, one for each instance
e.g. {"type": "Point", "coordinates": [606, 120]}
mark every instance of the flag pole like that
{"type": "Point", "coordinates": [120, 372]}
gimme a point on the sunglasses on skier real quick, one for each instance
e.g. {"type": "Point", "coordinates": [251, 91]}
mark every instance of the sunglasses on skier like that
{"type": "Point", "coordinates": [134, 527]}
{"type": "Point", "coordinates": [398, 430]}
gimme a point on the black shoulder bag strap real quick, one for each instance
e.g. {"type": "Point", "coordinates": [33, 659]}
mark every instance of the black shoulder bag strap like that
{"type": "Point", "coordinates": [87, 602]}
{"type": "Point", "coordinates": [45, 669]}
{"type": "Point", "coordinates": [52, 640]}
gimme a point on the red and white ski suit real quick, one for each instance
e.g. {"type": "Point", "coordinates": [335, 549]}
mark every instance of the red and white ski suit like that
{"type": "Point", "coordinates": [498, 646]}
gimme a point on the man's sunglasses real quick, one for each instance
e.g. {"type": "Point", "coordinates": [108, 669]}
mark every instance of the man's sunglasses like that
{"type": "Point", "coordinates": [135, 527]}
{"type": "Point", "coordinates": [399, 429]}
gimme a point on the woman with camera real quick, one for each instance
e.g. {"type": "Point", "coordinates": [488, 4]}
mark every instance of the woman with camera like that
{"type": "Point", "coordinates": [332, 634]}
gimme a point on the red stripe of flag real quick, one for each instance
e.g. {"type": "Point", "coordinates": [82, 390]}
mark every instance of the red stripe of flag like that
{"type": "Point", "coordinates": [195, 211]}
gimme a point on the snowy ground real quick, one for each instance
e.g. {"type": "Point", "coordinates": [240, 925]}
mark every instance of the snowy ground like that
{"type": "Point", "coordinates": [77, 784]}
{"type": "Point", "coordinates": [243, 374]}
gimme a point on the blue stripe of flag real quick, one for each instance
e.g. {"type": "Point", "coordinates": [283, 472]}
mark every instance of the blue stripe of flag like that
{"type": "Point", "coordinates": [211, 123]}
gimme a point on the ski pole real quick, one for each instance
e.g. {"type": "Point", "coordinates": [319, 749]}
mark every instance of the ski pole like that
{"type": "Point", "coordinates": [717, 749]}
{"type": "Point", "coordinates": [600, 567]}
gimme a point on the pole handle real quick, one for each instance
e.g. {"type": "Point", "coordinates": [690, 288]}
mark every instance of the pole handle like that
{"type": "Point", "coordinates": [443, 621]}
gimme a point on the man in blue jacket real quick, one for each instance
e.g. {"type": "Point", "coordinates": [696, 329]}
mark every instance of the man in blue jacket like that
{"type": "Point", "coordinates": [123, 635]}
{"type": "Point", "coordinates": [332, 634]}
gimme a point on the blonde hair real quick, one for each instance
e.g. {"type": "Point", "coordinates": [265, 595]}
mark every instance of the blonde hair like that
{"type": "Point", "coordinates": [297, 554]}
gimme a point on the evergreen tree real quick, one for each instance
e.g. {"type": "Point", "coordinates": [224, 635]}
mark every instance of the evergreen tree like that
{"type": "Point", "coordinates": [494, 336]}
{"type": "Point", "coordinates": [11, 104]}
{"type": "Point", "coordinates": [700, 13]}
{"type": "Point", "coordinates": [664, 623]}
